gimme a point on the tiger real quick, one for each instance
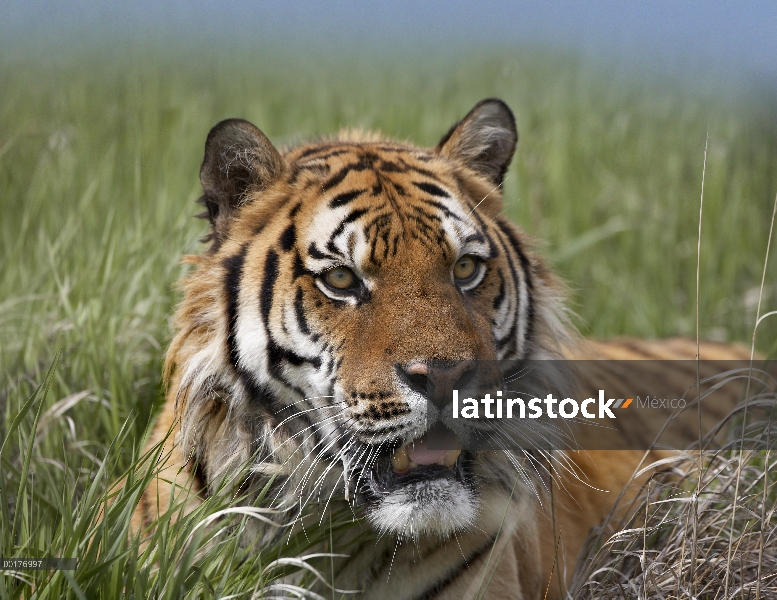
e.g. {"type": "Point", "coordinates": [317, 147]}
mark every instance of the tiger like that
{"type": "Point", "coordinates": [347, 282]}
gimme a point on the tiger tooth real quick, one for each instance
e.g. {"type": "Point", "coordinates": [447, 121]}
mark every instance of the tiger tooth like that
{"type": "Point", "coordinates": [451, 457]}
{"type": "Point", "coordinates": [400, 461]}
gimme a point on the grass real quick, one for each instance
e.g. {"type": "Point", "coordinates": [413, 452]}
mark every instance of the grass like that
{"type": "Point", "coordinates": [686, 519]}
{"type": "Point", "coordinates": [99, 155]}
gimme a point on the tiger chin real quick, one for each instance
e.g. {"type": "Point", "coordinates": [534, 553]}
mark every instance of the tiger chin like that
{"type": "Point", "coordinates": [348, 286]}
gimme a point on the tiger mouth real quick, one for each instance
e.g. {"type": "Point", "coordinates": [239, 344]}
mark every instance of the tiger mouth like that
{"type": "Point", "coordinates": [414, 462]}
{"type": "Point", "coordinates": [417, 454]}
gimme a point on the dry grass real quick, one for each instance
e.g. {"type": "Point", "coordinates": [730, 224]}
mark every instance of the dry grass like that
{"type": "Point", "coordinates": [686, 540]}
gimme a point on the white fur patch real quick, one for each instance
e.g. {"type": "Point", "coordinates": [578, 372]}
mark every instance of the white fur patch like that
{"type": "Point", "coordinates": [439, 507]}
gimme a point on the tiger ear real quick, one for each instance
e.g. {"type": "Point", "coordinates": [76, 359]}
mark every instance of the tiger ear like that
{"type": "Point", "coordinates": [484, 140]}
{"type": "Point", "coordinates": [239, 159]}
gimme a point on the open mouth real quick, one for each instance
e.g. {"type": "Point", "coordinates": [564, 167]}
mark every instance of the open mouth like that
{"type": "Point", "coordinates": [416, 462]}
{"type": "Point", "coordinates": [417, 454]}
{"type": "Point", "coordinates": [419, 490]}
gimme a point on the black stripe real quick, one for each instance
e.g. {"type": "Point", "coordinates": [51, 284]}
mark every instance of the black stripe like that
{"type": "Point", "coordinates": [320, 169]}
{"type": "Point", "coordinates": [501, 295]}
{"type": "Point", "coordinates": [277, 354]}
{"type": "Point", "coordinates": [395, 244]}
{"type": "Point", "coordinates": [426, 215]}
{"type": "Point", "coordinates": [232, 279]}
{"type": "Point", "coordinates": [526, 267]}
{"type": "Point", "coordinates": [475, 237]}
{"type": "Point", "coordinates": [438, 587]}
{"type": "Point", "coordinates": [444, 209]}
{"type": "Point", "coordinates": [334, 153]}
{"type": "Point", "coordinates": [298, 269]}
{"type": "Point", "coordinates": [510, 337]}
{"type": "Point", "coordinates": [358, 213]}
{"type": "Point", "coordinates": [233, 266]}
{"type": "Point", "coordinates": [342, 174]}
{"type": "Point", "coordinates": [518, 247]}
{"type": "Point", "coordinates": [288, 237]}
{"type": "Point", "coordinates": [513, 283]}
{"type": "Point", "coordinates": [299, 311]}
{"type": "Point", "coordinates": [336, 178]}
{"type": "Point", "coordinates": [330, 245]}
{"type": "Point", "coordinates": [257, 393]}
{"type": "Point", "coordinates": [314, 150]}
{"type": "Point", "coordinates": [419, 170]}
{"type": "Point", "coordinates": [391, 167]}
{"type": "Point", "coordinates": [345, 198]}
{"type": "Point", "coordinates": [314, 252]}
{"type": "Point", "coordinates": [431, 188]}
{"type": "Point", "coordinates": [234, 270]}
{"type": "Point", "coordinates": [385, 237]}
{"type": "Point", "coordinates": [294, 175]}
{"type": "Point", "coordinates": [491, 245]}
{"type": "Point", "coordinates": [268, 287]}
{"type": "Point", "coordinates": [383, 219]}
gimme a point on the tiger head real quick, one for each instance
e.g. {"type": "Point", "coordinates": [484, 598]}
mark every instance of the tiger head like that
{"type": "Point", "coordinates": [349, 286]}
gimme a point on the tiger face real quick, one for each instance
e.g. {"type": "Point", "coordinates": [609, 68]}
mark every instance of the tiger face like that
{"type": "Point", "coordinates": [350, 286]}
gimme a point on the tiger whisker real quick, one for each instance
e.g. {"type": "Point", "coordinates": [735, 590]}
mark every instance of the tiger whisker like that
{"type": "Point", "coordinates": [334, 489]}
{"type": "Point", "coordinates": [311, 464]}
{"type": "Point", "coordinates": [300, 464]}
{"type": "Point", "coordinates": [393, 556]}
{"type": "Point", "coordinates": [316, 459]}
{"type": "Point", "coordinates": [340, 458]}
{"type": "Point", "coordinates": [314, 426]}
{"type": "Point", "coordinates": [303, 412]}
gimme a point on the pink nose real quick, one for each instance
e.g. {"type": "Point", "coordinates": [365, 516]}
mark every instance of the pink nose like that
{"type": "Point", "coordinates": [437, 380]}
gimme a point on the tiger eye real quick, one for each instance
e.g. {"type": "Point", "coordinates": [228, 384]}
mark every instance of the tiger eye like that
{"type": "Point", "coordinates": [340, 278]}
{"type": "Point", "coordinates": [465, 267]}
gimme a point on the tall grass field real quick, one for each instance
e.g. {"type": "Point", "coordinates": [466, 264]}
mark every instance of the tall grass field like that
{"type": "Point", "coordinates": [99, 161]}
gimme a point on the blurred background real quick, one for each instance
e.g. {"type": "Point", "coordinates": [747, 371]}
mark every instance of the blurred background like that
{"type": "Point", "coordinates": [104, 109]}
{"type": "Point", "coordinates": [729, 37]}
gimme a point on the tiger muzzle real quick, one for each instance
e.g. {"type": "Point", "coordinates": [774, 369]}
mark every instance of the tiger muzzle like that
{"type": "Point", "coordinates": [436, 380]}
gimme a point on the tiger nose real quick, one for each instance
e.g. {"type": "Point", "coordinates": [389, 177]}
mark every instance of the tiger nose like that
{"type": "Point", "coordinates": [436, 380]}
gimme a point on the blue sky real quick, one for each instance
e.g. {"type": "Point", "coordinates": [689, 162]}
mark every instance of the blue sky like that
{"type": "Point", "coordinates": [739, 35]}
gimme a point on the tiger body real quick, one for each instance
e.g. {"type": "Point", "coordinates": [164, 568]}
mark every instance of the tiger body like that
{"type": "Point", "coordinates": [346, 279]}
